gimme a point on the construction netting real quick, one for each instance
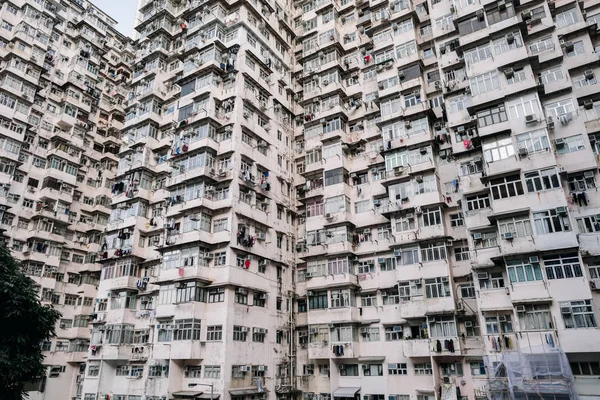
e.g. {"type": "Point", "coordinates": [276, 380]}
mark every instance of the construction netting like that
{"type": "Point", "coordinates": [529, 374]}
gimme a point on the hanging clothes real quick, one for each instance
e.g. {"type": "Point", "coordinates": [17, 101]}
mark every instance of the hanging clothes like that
{"type": "Point", "coordinates": [438, 346]}
{"type": "Point", "coordinates": [507, 342]}
{"type": "Point", "coordinates": [451, 346]}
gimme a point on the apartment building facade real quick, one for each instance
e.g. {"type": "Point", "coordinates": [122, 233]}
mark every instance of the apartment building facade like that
{"type": "Point", "coordinates": [312, 199]}
{"type": "Point", "coordinates": [196, 290]}
{"type": "Point", "coordinates": [447, 169]}
{"type": "Point", "coordinates": [63, 65]}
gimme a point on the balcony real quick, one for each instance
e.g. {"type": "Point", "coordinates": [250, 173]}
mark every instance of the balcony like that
{"type": "Point", "coordinates": [416, 348]}
{"type": "Point", "coordinates": [321, 350]}
{"type": "Point", "coordinates": [494, 299]}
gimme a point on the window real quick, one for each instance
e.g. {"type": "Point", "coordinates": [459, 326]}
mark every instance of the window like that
{"type": "Point", "coordinates": [505, 187]}
{"type": "Point", "coordinates": [562, 266]}
{"type": "Point", "coordinates": [585, 368]}
{"type": "Point", "coordinates": [397, 369]}
{"type": "Point", "coordinates": [462, 253]}
{"type": "Point", "coordinates": [318, 300]}
{"type": "Point", "coordinates": [423, 369]}
{"type": "Point", "coordinates": [551, 221]}
{"type": "Point", "coordinates": [370, 334]}
{"type": "Point", "coordinates": [477, 368]}
{"type": "Point", "coordinates": [534, 317]}
{"type": "Point", "coordinates": [561, 107]}
{"type": "Point", "coordinates": [431, 217]}
{"type": "Point", "coordinates": [393, 333]}
{"type": "Point", "coordinates": [258, 335]}
{"type": "Point", "coordinates": [568, 17]}
{"type": "Point", "coordinates": [554, 74]}
{"type": "Point", "coordinates": [193, 371]}
{"type": "Point", "coordinates": [534, 141]}
{"type": "Point", "coordinates": [433, 252]}
{"type": "Point", "coordinates": [240, 333]}
{"type": "Point", "coordinates": [498, 324]}
{"type": "Point", "coordinates": [544, 179]}
{"type": "Point", "coordinates": [372, 369]}
{"type": "Point", "coordinates": [259, 299]}
{"type": "Point", "coordinates": [343, 298]}
{"type": "Point", "coordinates": [579, 182]}
{"type": "Point", "coordinates": [478, 202]}
{"type": "Point", "coordinates": [570, 144]}
{"type": "Point", "coordinates": [467, 291]}
{"type": "Point", "coordinates": [444, 326]}
{"type": "Point", "coordinates": [348, 369]}
{"type": "Point", "coordinates": [484, 83]}
{"type": "Point", "coordinates": [216, 295]}
{"type": "Point", "coordinates": [578, 314]}
{"type": "Point", "coordinates": [519, 226]}
{"type": "Point", "coordinates": [241, 296]}
{"type": "Point", "coordinates": [520, 271]}
{"type": "Point", "coordinates": [497, 150]}
{"type": "Point", "coordinates": [523, 106]}
{"type": "Point", "coordinates": [588, 224]}
{"type": "Point", "coordinates": [368, 299]}
{"type": "Point", "coordinates": [187, 329]}
{"type": "Point", "coordinates": [492, 280]}
{"type": "Point", "coordinates": [93, 370]}
{"type": "Point", "coordinates": [212, 371]}
{"type": "Point", "coordinates": [488, 239]}
{"type": "Point", "coordinates": [214, 333]}
{"type": "Point", "coordinates": [437, 287]}
{"type": "Point", "coordinates": [122, 370]}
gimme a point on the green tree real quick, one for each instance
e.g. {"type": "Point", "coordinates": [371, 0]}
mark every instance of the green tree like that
{"type": "Point", "coordinates": [26, 323]}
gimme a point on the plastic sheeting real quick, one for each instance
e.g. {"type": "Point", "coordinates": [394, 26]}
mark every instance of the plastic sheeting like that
{"type": "Point", "coordinates": [531, 374]}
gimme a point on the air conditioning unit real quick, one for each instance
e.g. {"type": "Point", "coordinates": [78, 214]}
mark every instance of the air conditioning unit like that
{"type": "Point", "coordinates": [561, 210]}
{"type": "Point", "coordinates": [567, 45]}
{"type": "Point", "coordinates": [308, 275]}
{"type": "Point", "coordinates": [416, 282]}
{"type": "Point", "coordinates": [509, 73]}
{"type": "Point", "coordinates": [530, 119]}
{"type": "Point", "coordinates": [559, 142]}
{"type": "Point", "coordinates": [419, 178]}
{"type": "Point", "coordinates": [534, 260]}
{"type": "Point", "coordinates": [262, 367]}
{"type": "Point", "coordinates": [565, 310]}
{"type": "Point", "coordinates": [588, 104]}
{"type": "Point", "coordinates": [244, 368]}
{"type": "Point", "coordinates": [502, 318]}
{"type": "Point", "coordinates": [589, 74]}
{"type": "Point", "coordinates": [328, 216]}
{"type": "Point", "coordinates": [477, 236]}
{"type": "Point", "coordinates": [468, 324]}
{"type": "Point", "coordinates": [260, 236]}
{"type": "Point", "coordinates": [588, 175]}
{"type": "Point", "coordinates": [521, 309]}
{"type": "Point", "coordinates": [523, 151]}
{"type": "Point", "coordinates": [241, 291]}
{"type": "Point", "coordinates": [398, 171]}
{"type": "Point", "coordinates": [507, 236]}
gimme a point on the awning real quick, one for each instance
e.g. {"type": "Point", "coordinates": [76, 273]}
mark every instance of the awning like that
{"type": "Point", "coordinates": [371, 358]}
{"type": "Point", "coordinates": [206, 396]}
{"type": "Point", "coordinates": [187, 393]}
{"type": "Point", "coordinates": [345, 391]}
{"type": "Point", "coordinates": [246, 390]}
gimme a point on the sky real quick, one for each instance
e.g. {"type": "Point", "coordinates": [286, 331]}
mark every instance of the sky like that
{"type": "Point", "coordinates": [121, 10]}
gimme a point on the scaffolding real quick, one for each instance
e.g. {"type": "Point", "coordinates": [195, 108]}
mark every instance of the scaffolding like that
{"type": "Point", "coordinates": [534, 373]}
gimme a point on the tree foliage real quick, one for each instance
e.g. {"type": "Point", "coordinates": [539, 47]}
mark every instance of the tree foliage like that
{"type": "Point", "coordinates": [25, 323]}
